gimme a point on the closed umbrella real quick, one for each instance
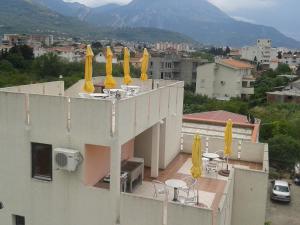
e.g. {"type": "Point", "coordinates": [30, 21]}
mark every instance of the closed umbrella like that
{"type": "Point", "coordinates": [109, 80]}
{"type": "Point", "coordinates": [228, 140]}
{"type": "Point", "coordinates": [145, 62]}
{"type": "Point", "coordinates": [196, 170]}
{"type": "Point", "coordinates": [127, 78]}
{"type": "Point", "coordinates": [88, 71]}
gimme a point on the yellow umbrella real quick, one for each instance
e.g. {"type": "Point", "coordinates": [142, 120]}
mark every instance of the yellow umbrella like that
{"type": "Point", "coordinates": [228, 140]}
{"type": "Point", "coordinates": [127, 78]}
{"type": "Point", "coordinates": [196, 169]}
{"type": "Point", "coordinates": [88, 73]}
{"type": "Point", "coordinates": [145, 62]}
{"type": "Point", "coordinates": [109, 80]}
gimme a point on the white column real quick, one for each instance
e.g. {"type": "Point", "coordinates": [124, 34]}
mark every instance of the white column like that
{"type": "Point", "coordinates": [155, 150]}
{"type": "Point", "coordinates": [115, 171]}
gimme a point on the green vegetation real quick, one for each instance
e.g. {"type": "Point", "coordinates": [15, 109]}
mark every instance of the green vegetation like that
{"type": "Point", "coordinates": [18, 67]}
{"type": "Point", "coordinates": [280, 123]}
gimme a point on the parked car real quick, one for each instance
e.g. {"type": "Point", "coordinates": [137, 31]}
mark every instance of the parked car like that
{"type": "Point", "coordinates": [297, 173]}
{"type": "Point", "coordinates": [280, 191]}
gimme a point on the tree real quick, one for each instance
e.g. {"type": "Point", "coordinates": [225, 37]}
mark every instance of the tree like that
{"type": "Point", "coordinates": [279, 55]}
{"type": "Point", "coordinates": [227, 51]}
{"type": "Point", "coordinates": [284, 151]}
{"type": "Point", "coordinates": [48, 65]}
{"type": "Point", "coordinates": [283, 69]}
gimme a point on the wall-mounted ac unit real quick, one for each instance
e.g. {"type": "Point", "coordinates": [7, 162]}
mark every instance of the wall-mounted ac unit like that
{"type": "Point", "coordinates": [67, 159]}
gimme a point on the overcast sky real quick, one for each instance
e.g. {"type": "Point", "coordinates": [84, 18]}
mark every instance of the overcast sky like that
{"type": "Point", "coordinates": [226, 5]}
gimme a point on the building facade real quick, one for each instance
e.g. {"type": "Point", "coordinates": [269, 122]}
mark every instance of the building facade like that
{"type": "Point", "coordinates": [261, 53]}
{"type": "Point", "coordinates": [290, 94]}
{"type": "Point", "coordinates": [173, 66]}
{"type": "Point", "coordinates": [225, 79]}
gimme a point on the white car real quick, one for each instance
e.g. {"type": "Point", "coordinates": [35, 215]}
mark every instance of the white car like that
{"type": "Point", "coordinates": [280, 191]}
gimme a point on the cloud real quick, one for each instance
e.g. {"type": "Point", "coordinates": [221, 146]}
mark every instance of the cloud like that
{"type": "Point", "coordinates": [234, 5]}
{"type": "Point", "coordinates": [99, 2]}
{"type": "Point", "coordinates": [243, 19]}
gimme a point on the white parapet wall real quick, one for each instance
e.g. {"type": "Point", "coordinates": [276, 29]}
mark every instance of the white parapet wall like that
{"type": "Point", "coordinates": [250, 152]}
{"type": "Point", "coordinates": [137, 210]}
{"type": "Point", "coordinates": [179, 214]}
{"type": "Point", "coordinates": [55, 88]}
{"type": "Point", "coordinates": [250, 197]}
{"type": "Point", "coordinates": [224, 212]}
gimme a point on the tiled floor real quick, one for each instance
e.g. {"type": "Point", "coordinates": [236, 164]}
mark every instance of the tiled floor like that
{"type": "Point", "coordinates": [208, 183]}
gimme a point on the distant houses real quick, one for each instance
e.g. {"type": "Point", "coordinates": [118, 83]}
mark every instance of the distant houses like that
{"type": "Point", "coordinates": [225, 79]}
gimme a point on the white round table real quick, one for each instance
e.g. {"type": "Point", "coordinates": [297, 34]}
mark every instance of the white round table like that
{"type": "Point", "coordinates": [211, 156]}
{"type": "Point", "coordinates": [176, 184]}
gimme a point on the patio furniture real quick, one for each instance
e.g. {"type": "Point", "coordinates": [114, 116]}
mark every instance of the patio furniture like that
{"type": "Point", "coordinates": [176, 184]}
{"type": "Point", "coordinates": [220, 154]}
{"type": "Point", "coordinates": [212, 166]}
{"type": "Point", "coordinates": [159, 188]}
{"type": "Point", "coordinates": [211, 156]}
{"type": "Point", "coordinates": [135, 173]}
{"type": "Point", "coordinates": [123, 180]}
{"type": "Point", "coordinates": [190, 186]}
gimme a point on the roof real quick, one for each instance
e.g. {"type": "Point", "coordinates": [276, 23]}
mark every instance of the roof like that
{"type": "Point", "coordinates": [236, 64]}
{"type": "Point", "coordinates": [220, 118]}
{"type": "Point", "coordinates": [217, 116]}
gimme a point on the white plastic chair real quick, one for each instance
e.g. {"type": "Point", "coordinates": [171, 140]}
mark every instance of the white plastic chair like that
{"type": "Point", "coordinates": [159, 189]}
{"type": "Point", "coordinates": [212, 166]}
{"type": "Point", "coordinates": [190, 186]}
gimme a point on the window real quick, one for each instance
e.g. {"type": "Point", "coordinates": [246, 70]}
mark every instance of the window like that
{"type": "Point", "coordinates": [18, 220]}
{"type": "Point", "coordinates": [41, 159]}
{"type": "Point", "coordinates": [161, 75]}
{"type": "Point", "coordinates": [244, 84]}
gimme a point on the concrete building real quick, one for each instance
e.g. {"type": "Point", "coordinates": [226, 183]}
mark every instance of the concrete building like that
{"type": "Point", "coordinates": [290, 94]}
{"type": "Point", "coordinates": [24, 39]}
{"type": "Point", "coordinates": [261, 53]}
{"type": "Point", "coordinates": [173, 66]}
{"type": "Point", "coordinates": [38, 120]}
{"type": "Point", "coordinates": [292, 59]}
{"type": "Point", "coordinates": [100, 58]}
{"type": "Point", "coordinates": [225, 79]}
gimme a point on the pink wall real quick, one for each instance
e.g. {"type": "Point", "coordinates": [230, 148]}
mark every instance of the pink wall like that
{"type": "Point", "coordinates": [97, 161]}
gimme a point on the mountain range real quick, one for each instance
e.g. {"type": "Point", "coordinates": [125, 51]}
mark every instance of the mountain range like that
{"type": "Point", "coordinates": [197, 19]}
{"type": "Point", "coordinates": [43, 16]}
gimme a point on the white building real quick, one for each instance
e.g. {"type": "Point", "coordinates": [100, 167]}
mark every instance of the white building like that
{"type": "Point", "coordinates": [100, 58]}
{"type": "Point", "coordinates": [69, 54]}
{"type": "Point", "coordinates": [262, 52]}
{"type": "Point", "coordinates": [39, 119]}
{"type": "Point", "coordinates": [224, 79]}
{"type": "Point", "coordinates": [292, 59]}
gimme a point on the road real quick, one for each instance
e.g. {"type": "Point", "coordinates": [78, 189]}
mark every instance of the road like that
{"type": "Point", "coordinates": [285, 214]}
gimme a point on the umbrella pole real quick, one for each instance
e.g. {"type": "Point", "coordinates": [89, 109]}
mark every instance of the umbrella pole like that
{"type": "Point", "coordinates": [227, 163]}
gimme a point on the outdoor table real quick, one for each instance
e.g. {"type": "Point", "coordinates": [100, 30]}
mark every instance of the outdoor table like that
{"type": "Point", "coordinates": [211, 156]}
{"type": "Point", "coordinates": [176, 184]}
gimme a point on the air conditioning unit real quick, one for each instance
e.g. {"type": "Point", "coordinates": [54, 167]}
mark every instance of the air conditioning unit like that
{"type": "Point", "coordinates": [67, 159]}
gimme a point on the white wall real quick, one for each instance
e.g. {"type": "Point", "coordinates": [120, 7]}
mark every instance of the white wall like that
{"type": "Point", "coordinates": [55, 88]}
{"type": "Point", "coordinates": [179, 214]}
{"type": "Point", "coordinates": [205, 80]}
{"type": "Point", "coordinates": [137, 210]}
{"type": "Point", "coordinates": [250, 152]}
{"type": "Point", "coordinates": [224, 212]}
{"type": "Point", "coordinates": [250, 197]}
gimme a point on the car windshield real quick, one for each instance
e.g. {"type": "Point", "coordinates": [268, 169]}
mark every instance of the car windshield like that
{"type": "Point", "coordinates": [281, 188]}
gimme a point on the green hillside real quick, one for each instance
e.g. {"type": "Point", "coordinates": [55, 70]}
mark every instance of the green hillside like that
{"type": "Point", "coordinates": [24, 16]}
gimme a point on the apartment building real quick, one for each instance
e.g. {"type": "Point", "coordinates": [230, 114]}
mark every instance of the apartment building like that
{"type": "Point", "coordinates": [261, 53]}
{"type": "Point", "coordinates": [24, 39]}
{"type": "Point", "coordinates": [225, 79]}
{"type": "Point", "coordinates": [292, 59]}
{"type": "Point", "coordinates": [60, 147]}
{"type": "Point", "coordinates": [173, 66]}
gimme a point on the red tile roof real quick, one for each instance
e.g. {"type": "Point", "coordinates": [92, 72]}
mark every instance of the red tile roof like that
{"type": "Point", "coordinates": [220, 117]}
{"type": "Point", "coordinates": [236, 64]}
